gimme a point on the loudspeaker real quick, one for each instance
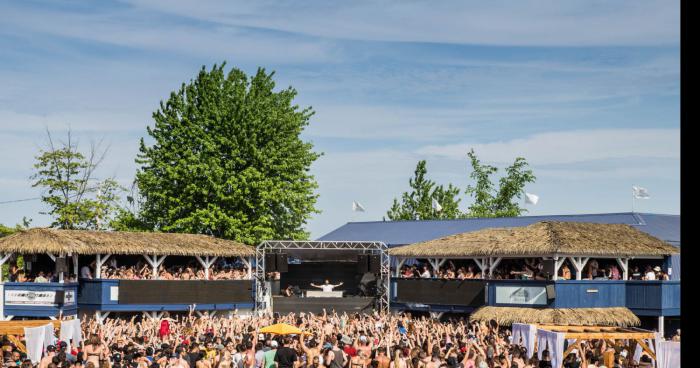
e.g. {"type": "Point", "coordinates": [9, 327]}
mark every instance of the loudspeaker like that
{"type": "Point", "coordinates": [548, 267]}
{"type": "Point", "coordinates": [61, 265]}
{"type": "Point", "coordinates": [362, 263]}
{"type": "Point", "coordinates": [270, 262]}
{"type": "Point", "coordinates": [59, 297]}
{"type": "Point", "coordinates": [375, 263]}
{"type": "Point", "coordinates": [282, 262]}
{"type": "Point", "coordinates": [551, 292]}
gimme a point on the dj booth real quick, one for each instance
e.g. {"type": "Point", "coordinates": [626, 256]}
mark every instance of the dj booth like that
{"type": "Point", "coordinates": [360, 269]}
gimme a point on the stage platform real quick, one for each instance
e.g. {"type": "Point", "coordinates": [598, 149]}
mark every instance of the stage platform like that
{"type": "Point", "coordinates": [353, 304]}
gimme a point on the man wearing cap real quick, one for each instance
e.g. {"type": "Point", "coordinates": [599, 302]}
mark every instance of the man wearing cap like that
{"type": "Point", "coordinates": [269, 356]}
{"type": "Point", "coordinates": [48, 358]}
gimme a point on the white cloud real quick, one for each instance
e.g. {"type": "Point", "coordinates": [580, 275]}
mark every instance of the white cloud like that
{"type": "Point", "coordinates": [570, 146]}
{"type": "Point", "coordinates": [574, 23]}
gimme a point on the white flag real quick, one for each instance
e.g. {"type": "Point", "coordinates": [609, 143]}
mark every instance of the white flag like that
{"type": "Point", "coordinates": [436, 206]}
{"type": "Point", "coordinates": [357, 207]}
{"type": "Point", "coordinates": [531, 198]}
{"type": "Point", "coordinates": [640, 193]}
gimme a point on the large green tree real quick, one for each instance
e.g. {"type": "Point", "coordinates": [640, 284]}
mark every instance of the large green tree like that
{"type": "Point", "coordinates": [418, 203]}
{"type": "Point", "coordinates": [225, 158]}
{"type": "Point", "coordinates": [503, 201]}
{"type": "Point", "coordinates": [76, 199]}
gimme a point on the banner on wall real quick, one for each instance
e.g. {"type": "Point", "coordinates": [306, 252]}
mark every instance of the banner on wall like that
{"type": "Point", "coordinates": [39, 298]}
{"type": "Point", "coordinates": [524, 295]}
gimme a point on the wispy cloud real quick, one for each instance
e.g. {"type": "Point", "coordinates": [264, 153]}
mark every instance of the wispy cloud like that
{"type": "Point", "coordinates": [523, 23]}
{"type": "Point", "coordinates": [571, 146]}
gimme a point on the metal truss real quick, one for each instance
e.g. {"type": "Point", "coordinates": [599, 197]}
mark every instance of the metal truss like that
{"type": "Point", "coordinates": [263, 299]}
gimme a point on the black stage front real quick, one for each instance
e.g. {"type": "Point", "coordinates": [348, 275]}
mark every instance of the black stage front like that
{"type": "Point", "coordinates": [354, 304]}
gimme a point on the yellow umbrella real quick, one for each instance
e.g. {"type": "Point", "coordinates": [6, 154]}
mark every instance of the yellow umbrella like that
{"type": "Point", "coordinates": [282, 329]}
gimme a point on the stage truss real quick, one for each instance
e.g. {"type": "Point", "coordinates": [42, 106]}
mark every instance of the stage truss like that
{"type": "Point", "coordinates": [262, 297]}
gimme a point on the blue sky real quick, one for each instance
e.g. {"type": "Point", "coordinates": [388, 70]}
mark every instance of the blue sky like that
{"type": "Point", "coordinates": [587, 91]}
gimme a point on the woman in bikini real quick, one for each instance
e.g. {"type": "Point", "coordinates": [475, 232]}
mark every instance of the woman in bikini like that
{"type": "Point", "coordinates": [94, 351]}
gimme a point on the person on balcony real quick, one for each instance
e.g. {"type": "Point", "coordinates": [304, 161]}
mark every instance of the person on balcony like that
{"type": "Point", "coordinates": [525, 274]}
{"type": "Point", "coordinates": [426, 273]}
{"type": "Point", "coordinates": [565, 273]}
{"type": "Point", "coordinates": [649, 274]}
{"type": "Point", "coordinates": [86, 271]}
{"type": "Point", "coordinates": [13, 272]}
{"type": "Point", "coordinates": [41, 278]}
{"type": "Point", "coordinates": [614, 273]}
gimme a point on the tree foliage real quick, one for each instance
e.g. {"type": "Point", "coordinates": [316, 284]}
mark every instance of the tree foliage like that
{"type": "Point", "coordinates": [76, 199]}
{"type": "Point", "coordinates": [490, 201]}
{"type": "Point", "coordinates": [418, 203]}
{"type": "Point", "coordinates": [225, 158]}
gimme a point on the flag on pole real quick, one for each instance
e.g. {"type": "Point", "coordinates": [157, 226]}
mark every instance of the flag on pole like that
{"type": "Point", "coordinates": [436, 206]}
{"type": "Point", "coordinates": [531, 198]}
{"type": "Point", "coordinates": [640, 193]}
{"type": "Point", "coordinates": [357, 207]}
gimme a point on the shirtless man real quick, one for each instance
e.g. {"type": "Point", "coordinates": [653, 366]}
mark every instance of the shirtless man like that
{"type": "Point", "coordinates": [382, 359]}
{"type": "Point", "coordinates": [312, 350]}
{"type": "Point", "coordinates": [47, 359]}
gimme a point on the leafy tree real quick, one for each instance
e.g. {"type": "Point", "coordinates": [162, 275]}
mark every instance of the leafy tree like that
{"type": "Point", "coordinates": [6, 230]}
{"type": "Point", "coordinates": [227, 159]}
{"type": "Point", "coordinates": [501, 202]}
{"type": "Point", "coordinates": [418, 204]}
{"type": "Point", "coordinates": [76, 199]}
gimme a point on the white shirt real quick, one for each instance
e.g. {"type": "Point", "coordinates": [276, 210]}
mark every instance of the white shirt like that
{"type": "Point", "coordinates": [327, 287]}
{"type": "Point", "coordinates": [425, 274]}
{"type": "Point", "coordinates": [85, 272]}
{"type": "Point", "coordinates": [650, 276]}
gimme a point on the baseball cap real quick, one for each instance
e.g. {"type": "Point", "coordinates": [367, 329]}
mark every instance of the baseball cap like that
{"type": "Point", "coordinates": [657, 268]}
{"type": "Point", "coordinates": [51, 348]}
{"type": "Point", "coordinates": [273, 344]}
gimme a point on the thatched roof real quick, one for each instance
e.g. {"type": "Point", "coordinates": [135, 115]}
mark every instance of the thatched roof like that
{"type": "Point", "coordinates": [543, 239]}
{"type": "Point", "coordinates": [618, 316]}
{"type": "Point", "coordinates": [42, 240]}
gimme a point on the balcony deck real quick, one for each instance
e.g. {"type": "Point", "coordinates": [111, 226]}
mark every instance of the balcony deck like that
{"type": "Point", "coordinates": [644, 298]}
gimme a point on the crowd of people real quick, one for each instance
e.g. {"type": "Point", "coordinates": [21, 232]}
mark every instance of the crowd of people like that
{"type": "Point", "coordinates": [331, 341]}
{"type": "Point", "coordinates": [530, 269]}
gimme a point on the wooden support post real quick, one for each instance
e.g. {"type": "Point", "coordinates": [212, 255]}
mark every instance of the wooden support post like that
{"type": "Point", "coordinates": [399, 264]}
{"type": "Point", "coordinates": [155, 262]}
{"type": "Point", "coordinates": [482, 263]}
{"type": "Point", "coordinates": [493, 263]}
{"type": "Point", "coordinates": [579, 263]}
{"type": "Point", "coordinates": [646, 348]}
{"type": "Point", "coordinates": [206, 263]}
{"type": "Point", "coordinates": [624, 265]}
{"type": "Point", "coordinates": [98, 264]}
{"type": "Point", "coordinates": [76, 268]}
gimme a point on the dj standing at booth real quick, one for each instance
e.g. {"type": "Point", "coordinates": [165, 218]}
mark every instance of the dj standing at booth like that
{"type": "Point", "coordinates": [327, 287]}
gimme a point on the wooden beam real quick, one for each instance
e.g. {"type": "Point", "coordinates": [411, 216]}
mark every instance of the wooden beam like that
{"type": "Point", "coordinates": [576, 344]}
{"type": "Point", "coordinates": [646, 348]}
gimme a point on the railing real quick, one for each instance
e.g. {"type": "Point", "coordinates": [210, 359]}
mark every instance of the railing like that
{"type": "Point", "coordinates": [31, 299]}
{"type": "Point", "coordinates": [652, 298]}
{"type": "Point", "coordinates": [159, 295]}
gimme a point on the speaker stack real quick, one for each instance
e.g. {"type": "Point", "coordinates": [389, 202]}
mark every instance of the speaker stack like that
{"type": "Point", "coordinates": [276, 262]}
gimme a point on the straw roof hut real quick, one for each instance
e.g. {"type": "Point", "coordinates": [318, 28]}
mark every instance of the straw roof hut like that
{"type": "Point", "coordinates": [505, 316]}
{"type": "Point", "coordinates": [543, 239]}
{"type": "Point", "coordinates": [43, 240]}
